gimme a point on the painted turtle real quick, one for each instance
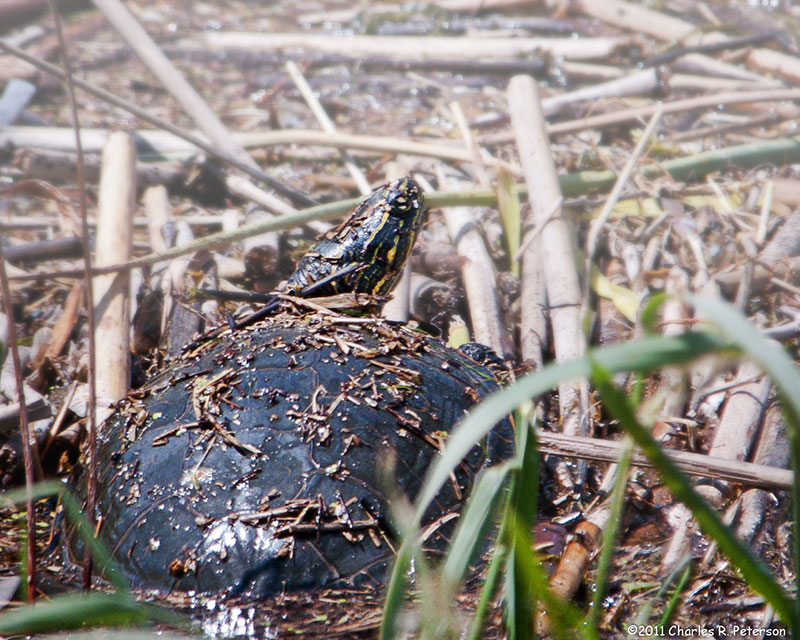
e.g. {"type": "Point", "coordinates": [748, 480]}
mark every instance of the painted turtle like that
{"type": "Point", "coordinates": [263, 459]}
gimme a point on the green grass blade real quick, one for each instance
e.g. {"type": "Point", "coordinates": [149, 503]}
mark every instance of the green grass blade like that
{"type": "Point", "coordinates": [509, 207]}
{"type": "Point", "coordinates": [651, 313]}
{"type": "Point", "coordinates": [566, 621]}
{"type": "Point", "coordinates": [473, 523]}
{"type": "Point", "coordinates": [754, 572]}
{"type": "Point", "coordinates": [527, 584]}
{"type": "Point", "coordinates": [779, 151]}
{"type": "Point", "coordinates": [395, 590]}
{"type": "Point", "coordinates": [515, 601]}
{"type": "Point", "coordinates": [75, 611]}
{"type": "Point", "coordinates": [611, 534]}
{"type": "Point", "coordinates": [496, 565]}
{"type": "Point", "coordinates": [524, 498]}
{"type": "Point", "coordinates": [520, 592]}
{"type": "Point", "coordinates": [675, 600]}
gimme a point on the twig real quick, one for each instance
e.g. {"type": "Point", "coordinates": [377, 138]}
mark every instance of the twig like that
{"type": "Point", "coordinates": [644, 20]}
{"type": "Point", "coordinates": [533, 337]}
{"type": "Point", "coordinates": [351, 11]}
{"type": "Point", "coordinates": [641, 19]}
{"type": "Point", "coordinates": [59, 166]}
{"type": "Point", "coordinates": [47, 222]}
{"type": "Point", "coordinates": [696, 63]}
{"type": "Point", "coordinates": [782, 151]}
{"type": "Point", "coordinates": [675, 316]}
{"type": "Point", "coordinates": [708, 47]}
{"type": "Point", "coordinates": [59, 419]}
{"type": "Point", "coordinates": [601, 220]}
{"type": "Point", "coordinates": [327, 125]}
{"type": "Point", "coordinates": [676, 106]}
{"type": "Point", "coordinates": [638, 18]}
{"type": "Point", "coordinates": [43, 250]}
{"type": "Point", "coordinates": [712, 131]}
{"type": "Point", "coordinates": [708, 82]}
{"type": "Point", "coordinates": [572, 565]}
{"type": "Point", "coordinates": [166, 142]}
{"type": "Point", "coordinates": [27, 453]}
{"type": "Point", "coordinates": [697, 464]}
{"type": "Point", "coordinates": [63, 326]}
{"type": "Point", "coordinates": [599, 223]}
{"type": "Point", "coordinates": [622, 116]}
{"type": "Point", "coordinates": [200, 54]}
{"type": "Point", "coordinates": [469, 142]}
{"type": "Point", "coordinates": [174, 81]}
{"type": "Point", "coordinates": [635, 83]}
{"type": "Point", "coordinates": [420, 47]}
{"type": "Point", "coordinates": [578, 71]}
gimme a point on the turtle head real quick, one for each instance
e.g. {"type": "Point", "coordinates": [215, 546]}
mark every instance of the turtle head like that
{"type": "Point", "coordinates": [391, 220]}
{"type": "Point", "coordinates": [367, 251]}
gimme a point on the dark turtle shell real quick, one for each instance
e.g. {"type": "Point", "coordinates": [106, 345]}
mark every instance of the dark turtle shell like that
{"type": "Point", "coordinates": [264, 460]}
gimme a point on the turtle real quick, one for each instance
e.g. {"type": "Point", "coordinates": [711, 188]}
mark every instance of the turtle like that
{"type": "Point", "coordinates": [264, 458]}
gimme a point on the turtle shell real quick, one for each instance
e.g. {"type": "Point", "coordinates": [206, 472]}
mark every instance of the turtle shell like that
{"type": "Point", "coordinates": [264, 460]}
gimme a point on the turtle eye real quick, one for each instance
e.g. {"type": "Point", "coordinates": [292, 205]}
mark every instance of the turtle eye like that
{"type": "Point", "coordinates": [401, 204]}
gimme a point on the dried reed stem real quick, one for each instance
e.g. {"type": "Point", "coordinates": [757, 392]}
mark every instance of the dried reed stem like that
{"type": "Point", "coordinates": [91, 416]}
